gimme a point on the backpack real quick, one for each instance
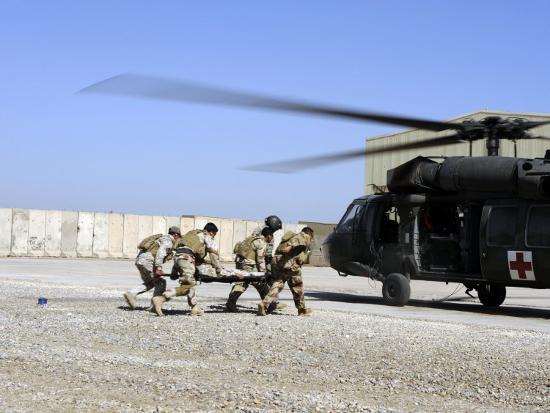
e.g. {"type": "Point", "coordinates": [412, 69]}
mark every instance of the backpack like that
{"type": "Point", "coordinates": [148, 242]}
{"type": "Point", "coordinates": [237, 248]}
{"type": "Point", "coordinates": [287, 235]}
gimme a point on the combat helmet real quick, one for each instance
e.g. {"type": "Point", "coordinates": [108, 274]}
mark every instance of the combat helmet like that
{"type": "Point", "coordinates": [274, 222]}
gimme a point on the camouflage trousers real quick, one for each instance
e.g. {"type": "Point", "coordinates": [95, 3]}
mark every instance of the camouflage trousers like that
{"type": "Point", "coordinates": [185, 266]}
{"type": "Point", "coordinates": [240, 287]}
{"type": "Point", "coordinates": [144, 263]}
{"type": "Point", "coordinates": [295, 283]}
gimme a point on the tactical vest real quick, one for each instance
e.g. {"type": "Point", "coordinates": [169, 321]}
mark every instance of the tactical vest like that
{"type": "Point", "coordinates": [246, 250]}
{"type": "Point", "coordinates": [150, 244]}
{"type": "Point", "coordinates": [192, 241]}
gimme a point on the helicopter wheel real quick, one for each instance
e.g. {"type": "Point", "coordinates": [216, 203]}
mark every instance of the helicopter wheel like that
{"type": "Point", "coordinates": [491, 295]}
{"type": "Point", "coordinates": [396, 289]}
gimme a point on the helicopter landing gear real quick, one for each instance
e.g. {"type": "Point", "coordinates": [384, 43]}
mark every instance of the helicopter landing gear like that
{"type": "Point", "coordinates": [396, 289]}
{"type": "Point", "coordinates": [491, 295]}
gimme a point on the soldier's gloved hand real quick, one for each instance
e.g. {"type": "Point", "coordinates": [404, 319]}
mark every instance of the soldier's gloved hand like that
{"type": "Point", "coordinates": [159, 272]}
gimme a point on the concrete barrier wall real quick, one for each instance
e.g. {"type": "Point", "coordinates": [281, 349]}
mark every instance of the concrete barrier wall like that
{"type": "Point", "coordinates": [159, 225]}
{"type": "Point", "coordinates": [100, 246]}
{"type": "Point", "coordinates": [85, 234]}
{"type": "Point", "coordinates": [226, 239]}
{"type": "Point", "coordinates": [69, 230]}
{"type": "Point", "coordinates": [321, 231]}
{"type": "Point", "coordinates": [116, 235]}
{"type": "Point", "coordinates": [39, 233]}
{"type": "Point", "coordinates": [52, 247]}
{"type": "Point", "coordinates": [131, 236]}
{"type": "Point", "coordinates": [5, 231]}
{"type": "Point", "coordinates": [20, 232]}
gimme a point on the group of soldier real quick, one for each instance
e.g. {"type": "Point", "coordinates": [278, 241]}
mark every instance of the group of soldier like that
{"type": "Point", "coordinates": [194, 249]}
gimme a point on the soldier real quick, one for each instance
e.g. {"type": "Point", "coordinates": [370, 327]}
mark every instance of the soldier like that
{"type": "Point", "coordinates": [250, 257]}
{"type": "Point", "coordinates": [290, 255]}
{"type": "Point", "coordinates": [190, 250]}
{"type": "Point", "coordinates": [274, 223]}
{"type": "Point", "coordinates": [153, 252]}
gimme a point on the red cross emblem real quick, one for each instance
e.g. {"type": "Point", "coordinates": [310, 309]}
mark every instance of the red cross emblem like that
{"type": "Point", "coordinates": [520, 264]}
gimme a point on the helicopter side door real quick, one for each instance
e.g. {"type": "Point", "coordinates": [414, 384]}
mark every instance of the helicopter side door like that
{"type": "Point", "coordinates": [503, 256]}
{"type": "Point", "coordinates": [537, 240]}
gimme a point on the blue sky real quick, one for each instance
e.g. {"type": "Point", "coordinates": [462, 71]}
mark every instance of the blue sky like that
{"type": "Point", "coordinates": [61, 150]}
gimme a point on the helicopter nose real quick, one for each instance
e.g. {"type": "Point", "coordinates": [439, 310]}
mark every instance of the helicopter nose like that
{"type": "Point", "coordinates": [326, 248]}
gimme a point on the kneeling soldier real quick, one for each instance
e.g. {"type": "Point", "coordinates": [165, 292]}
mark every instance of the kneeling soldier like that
{"type": "Point", "coordinates": [190, 250]}
{"type": "Point", "coordinates": [153, 252]}
{"type": "Point", "coordinates": [250, 257]}
{"type": "Point", "coordinates": [290, 255]}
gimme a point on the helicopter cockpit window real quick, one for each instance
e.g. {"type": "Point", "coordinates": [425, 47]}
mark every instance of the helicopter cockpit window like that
{"type": "Point", "coordinates": [348, 221]}
{"type": "Point", "coordinates": [537, 226]}
{"type": "Point", "coordinates": [502, 226]}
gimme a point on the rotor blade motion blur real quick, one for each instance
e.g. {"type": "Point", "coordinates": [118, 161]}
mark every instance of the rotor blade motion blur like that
{"type": "Point", "coordinates": [177, 90]}
{"type": "Point", "coordinates": [296, 165]}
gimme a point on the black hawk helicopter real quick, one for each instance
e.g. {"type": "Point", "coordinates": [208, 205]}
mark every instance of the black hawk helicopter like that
{"type": "Point", "coordinates": [481, 221]}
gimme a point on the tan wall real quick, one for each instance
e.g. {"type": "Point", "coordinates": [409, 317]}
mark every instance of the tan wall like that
{"type": "Point", "coordinates": [320, 231]}
{"type": "Point", "coordinates": [39, 233]}
{"type": "Point", "coordinates": [378, 164]}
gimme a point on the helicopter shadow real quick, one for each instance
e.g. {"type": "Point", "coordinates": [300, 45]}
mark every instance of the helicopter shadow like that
{"type": "Point", "coordinates": [454, 304]}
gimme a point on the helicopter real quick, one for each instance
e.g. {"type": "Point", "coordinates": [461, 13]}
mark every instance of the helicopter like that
{"type": "Point", "coordinates": [481, 221]}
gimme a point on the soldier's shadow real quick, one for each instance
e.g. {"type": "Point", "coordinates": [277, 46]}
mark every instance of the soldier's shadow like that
{"type": "Point", "coordinates": [147, 309]}
{"type": "Point", "coordinates": [220, 308]}
{"type": "Point", "coordinates": [209, 309]}
{"type": "Point", "coordinates": [127, 308]}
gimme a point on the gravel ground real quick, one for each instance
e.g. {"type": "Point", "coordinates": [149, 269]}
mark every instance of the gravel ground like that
{"type": "Point", "coordinates": [87, 352]}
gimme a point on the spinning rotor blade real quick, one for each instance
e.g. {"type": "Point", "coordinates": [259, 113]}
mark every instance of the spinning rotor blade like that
{"type": "Point", "coordinates": [546, 138]}
{"type": "Point", "coordinates": [296, 165]}
{"type": "Point", "coordinates": [529, 124]}
{"type": "Point", "coordinates": [177, 90]}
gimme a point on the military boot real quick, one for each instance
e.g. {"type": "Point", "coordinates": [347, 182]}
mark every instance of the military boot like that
{"type": "Point", "coordinates": [130, 299]}
{"type": "Point", "coordinates": [231, 307]}
{"type": "Point", "coordinates": [231, 304]}
{"type": "Point", "coordinates": [196, 310]}
{"type": "Point", "coordinates": [305, 311]}
{"type": "Point", "coordinates": [261, 310]}
{"type": "Point", "coordinates": [272, 307]}
{"type": "Point", "coordinates": [158, 301]}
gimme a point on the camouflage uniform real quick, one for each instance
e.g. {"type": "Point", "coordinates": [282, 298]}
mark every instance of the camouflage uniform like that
{"type": "Point", "coordinates": [268, 247]}
{"type": "Point", "coordinates": [190, 249]}
{"type": "Point", "coordinates": [146, 262]}
{"type": "Point", "coordinates": [253, 261]}
{"type": "Point", "coordinates": [287, 267]}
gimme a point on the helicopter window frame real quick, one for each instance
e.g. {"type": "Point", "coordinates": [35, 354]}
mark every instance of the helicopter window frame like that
{"type": "Point", "coordinates": [353, 211]}
{"type": "Point", "coordinates": [528, 223]}
{"type": "Point", "coordinates": [489, 238]}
